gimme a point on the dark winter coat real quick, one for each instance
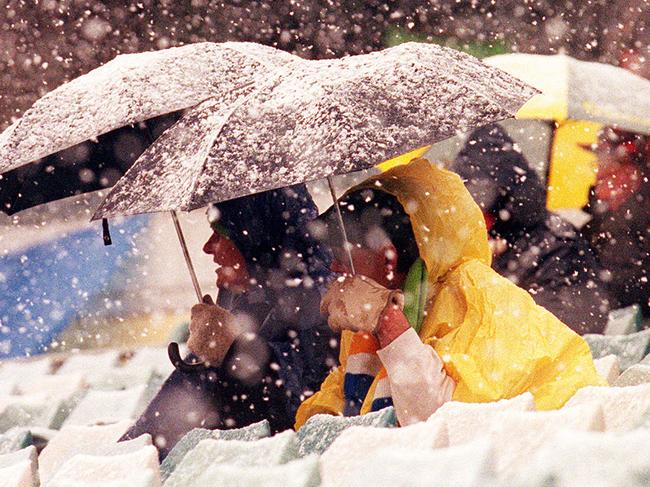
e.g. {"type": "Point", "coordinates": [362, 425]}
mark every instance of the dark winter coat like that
{"type": "Point", "coordinates": [545, 255]}
{"type": "Point", "coordinates": [268, 372]}
{"type": "Point", "coordinates": [621, 239]}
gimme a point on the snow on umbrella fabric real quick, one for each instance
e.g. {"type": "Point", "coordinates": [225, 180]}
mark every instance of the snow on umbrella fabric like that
{"type": "Point", "coordinates": [314, 119]}
{"type": "Point", "coordinates": [130, 89]}
{"type": "Point", "coordinates": [580, 90]}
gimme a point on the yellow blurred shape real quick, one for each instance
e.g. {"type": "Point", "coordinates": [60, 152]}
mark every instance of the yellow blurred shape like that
{"type": "Point", "coordinates": [147, 329]}
{"type": "Point", "coordinates": [403, 159]}
{"type": "Point", "coordinates": [572, 168]}
{"type": "Point", "coordinates": [549, 74]}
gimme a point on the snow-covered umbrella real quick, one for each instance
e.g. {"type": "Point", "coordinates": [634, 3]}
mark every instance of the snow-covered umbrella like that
{"type": "Point", "coordinates": [312, 120]}
{"type": "Point", "coordinates": [316, 119]}
{"type": "Point", "coordinates": [576, 98]}
{"type": "Point", "coordinates": [83, 135]}
{"type": "Point", "coordinates": [133, 88]}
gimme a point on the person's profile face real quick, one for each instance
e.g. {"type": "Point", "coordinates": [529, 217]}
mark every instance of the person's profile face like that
{"type": "Point", "coordinates": [230, 263]}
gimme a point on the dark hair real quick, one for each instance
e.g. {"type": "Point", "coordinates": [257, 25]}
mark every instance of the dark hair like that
{"type": "Point", "coordinates": [368, 214]}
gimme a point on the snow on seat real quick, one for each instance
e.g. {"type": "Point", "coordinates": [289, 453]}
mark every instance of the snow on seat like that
{"type": "Point", "coordinates": [64, 391]}
{"type": "Point", "coordinates": [630, 349]}
{"type": "Point", "coordinates": [623, 321]}
{"type": "Point", "coordinates": [93, 366]}
{"type": "Point", "coordinates": [516, 436]}
{"type": "Point", "coordinates": [118, 379]}
{"type": "Point", "coordinates": [125, 469]}
{"type": "Point", "coordinates": [276, 450]}
{"type": "Point", "coordinates": [608, 367]}
{"type": "Point", "coordinates": [635, 375]}
{"type": "Point", "coordinates": [99, 406]}
{"type": "Point", "coordinates": [14, 372]}
{"type": "Point", "coordinates": [576, 459]}
{"type": "Point", "coordinates": [31, 410]}
{"type": "Point", "coordinates": [468, 465]}
{"type": "Point", "coordinates": [465, 420]}
{"type": "Point", "coordinates": [624, 408]}
{"type": "Point", "coordinates": [144, 478]}
{"type": "Point", "coordinates": [189, 441]}
{"type": "Point", "coordinates": [144, 366]}
{"type": "Point", "coordinates": [318, 433]}
{"type": "Point", "coordinates": [297, 473]}
{"type": "Point", "coordinates": [154, 359]}
{"type": "Point", "coordinates": [72, 440]}
{"type": "Point", "coordinates": [19, 468]}
{"type": "Point", "coordinates": [18, 475]}
{"type": "Point", "coordinates": [357, 443]}
{"type": "Point", "coordinates": [61, 385]}
{"type": "Point", "coordinates": [15, 439]}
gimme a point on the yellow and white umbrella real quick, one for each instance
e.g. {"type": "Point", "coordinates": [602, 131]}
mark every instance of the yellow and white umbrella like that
{"type": "Point", "coordinates": [580, 97]}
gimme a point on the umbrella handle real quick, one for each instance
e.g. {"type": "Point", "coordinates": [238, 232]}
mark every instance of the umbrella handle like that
{"type": "Point", "coordinates": [188, 259]}
{"type": "Point", "coordinates": [174, 353]}
{"type": "Point", "coordinates": [346, 243]}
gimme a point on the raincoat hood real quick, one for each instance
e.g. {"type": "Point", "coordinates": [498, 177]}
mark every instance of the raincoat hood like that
{"type": "Point", "coordinates": [448, 225]}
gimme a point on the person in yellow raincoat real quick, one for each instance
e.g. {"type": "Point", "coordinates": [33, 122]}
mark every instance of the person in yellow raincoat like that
{"type": "Point", "coordinates": [486, 339]}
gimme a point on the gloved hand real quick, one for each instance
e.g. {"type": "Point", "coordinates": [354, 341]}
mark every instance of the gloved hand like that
{"type": "Point", "coordinates": [212, 332]}
{"type": "Point", "coordinates": [355, 303]}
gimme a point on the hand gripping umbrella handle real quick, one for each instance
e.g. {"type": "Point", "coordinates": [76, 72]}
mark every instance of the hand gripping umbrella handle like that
{"type": "Point", "coordinates": [173, 350]}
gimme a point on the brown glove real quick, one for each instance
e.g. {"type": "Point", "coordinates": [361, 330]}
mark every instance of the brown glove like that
{"type": "Point", "coordinates": [356, 302]}
{"type": "Point", "coordinates": [212, 332]}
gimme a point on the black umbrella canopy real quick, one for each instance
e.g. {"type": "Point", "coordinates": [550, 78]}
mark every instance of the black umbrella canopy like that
{"type": "Point", "coordinates": [90, 166]}
{"type": "Point", "coordinates": [130, 89]}
{"type": "Point", "coordinates": [314, 119]}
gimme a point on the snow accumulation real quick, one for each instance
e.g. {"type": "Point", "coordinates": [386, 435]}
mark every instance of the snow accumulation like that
{"type": "Point", "coordinates": [608, 367]}
{"type": "Point", "coordinates": [74, 440]}
{"type": "Point", "coordinates": [275, 450]}
{"type": "Point", "coordinates": [188, 442]}
{"type": "Point", "coordinates": [635, 375]}
{"type": "Point", "coordinates": [630, 349]}
{"type": "Point", "coordinates": [108, 406]}
{"type": "Point", "coordinates": [130, 89]}
{"type": "Point", "coordinates": [598, 439]}
{"type": "Point", "coordinates": [311, 119]}
{"type": "Point", "coordinates": [139, 468]}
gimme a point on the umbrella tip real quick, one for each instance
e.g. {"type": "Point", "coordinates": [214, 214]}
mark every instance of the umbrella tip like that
{"type": "Point", "coordinates": [106, 234]}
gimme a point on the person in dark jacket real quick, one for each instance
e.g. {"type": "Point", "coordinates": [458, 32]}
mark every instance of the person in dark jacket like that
{"type": "Point", "coordinates": [620, 207]}
{"type": "Point", "coordinates": [264, 346]}
{"type": "Point", "coordinates": [534, 248]}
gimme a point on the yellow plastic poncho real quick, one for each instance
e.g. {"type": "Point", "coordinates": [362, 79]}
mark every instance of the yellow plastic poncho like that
{"type": "Point", "coordinates": [495, 342]}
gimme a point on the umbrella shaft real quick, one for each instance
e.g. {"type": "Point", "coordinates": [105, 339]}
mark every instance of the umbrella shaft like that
{"type": "Point", "coordinates": [346, 244]}
{"type": "Point", "coordinates": [186, 254]}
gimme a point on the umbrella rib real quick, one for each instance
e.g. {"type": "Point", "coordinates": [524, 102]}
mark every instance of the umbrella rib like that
{"type": "Point", "coordinates": [226, 119]}
{"type": "Point", "coordinates": [197, 176]}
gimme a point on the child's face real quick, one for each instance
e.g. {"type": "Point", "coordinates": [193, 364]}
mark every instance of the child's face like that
{"type": "Point", "coordinates": [377, 264]}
